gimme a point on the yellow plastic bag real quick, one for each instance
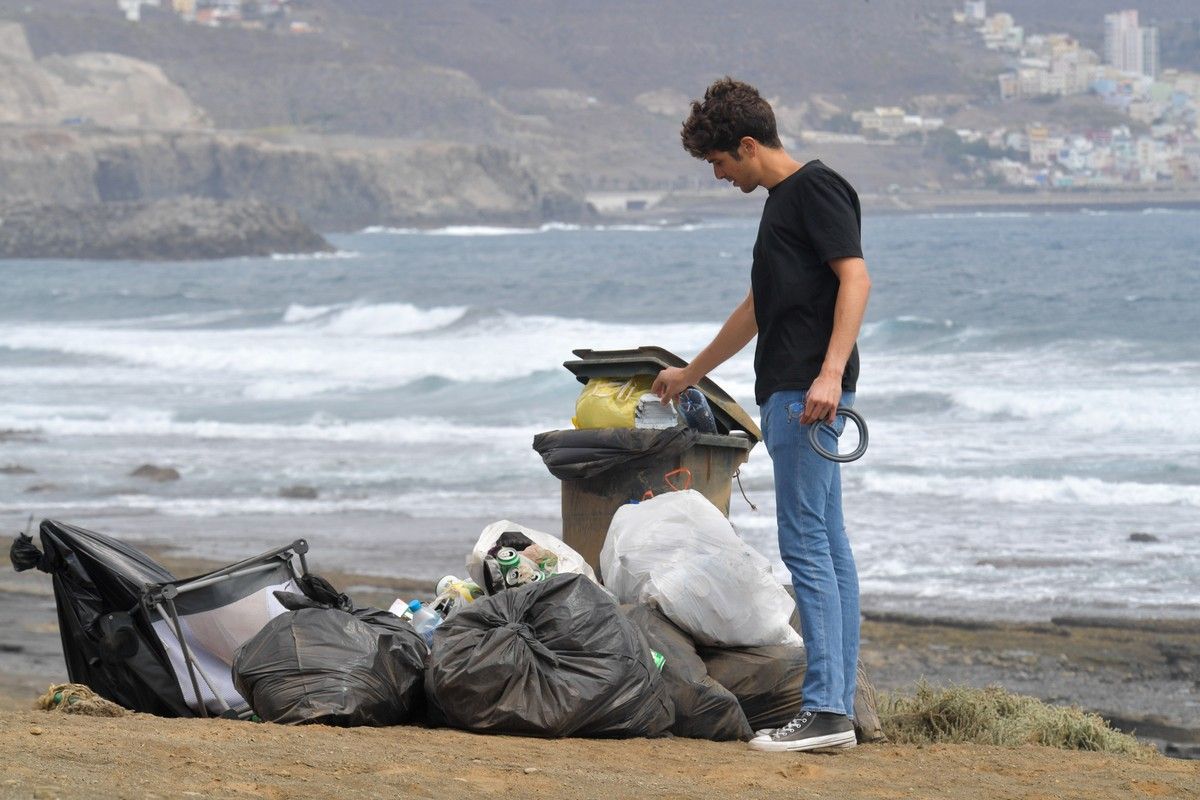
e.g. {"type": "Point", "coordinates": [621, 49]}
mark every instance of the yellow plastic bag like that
{"type": "Point", "coordinates": [610, 402]}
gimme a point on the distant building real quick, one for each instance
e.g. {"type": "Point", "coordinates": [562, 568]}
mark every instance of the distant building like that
{"type": "Point", "coordinates": [1128, 46]}
{"type": "Point", "coordinates": [131, 8]}
{"type": "Point", "coordinates": [893, 122]}
{"type": "Point", "coordinates": [1150, 64]}
{"type": "Point", "coordinates": [975, 11]}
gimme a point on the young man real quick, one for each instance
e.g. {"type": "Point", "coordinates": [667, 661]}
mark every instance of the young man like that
{"type": "Point", "coordinates": [808, 291]}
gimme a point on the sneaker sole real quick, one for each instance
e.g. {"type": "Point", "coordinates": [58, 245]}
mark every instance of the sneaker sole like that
{"type": "Point", "coordinates": [833, 741]}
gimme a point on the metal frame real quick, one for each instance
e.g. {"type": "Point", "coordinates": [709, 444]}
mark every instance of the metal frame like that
{"type": "Point", "coordinates": [156, 596]}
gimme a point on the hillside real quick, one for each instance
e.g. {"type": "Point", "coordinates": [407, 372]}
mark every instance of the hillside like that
{"type": "Point", "coordinates": [588, 95]}
{"type": "Point", "coordinates": [594, 90]}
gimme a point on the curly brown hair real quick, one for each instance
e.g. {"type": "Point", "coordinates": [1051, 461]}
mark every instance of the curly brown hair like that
{"type": "Point", "coordinates": [730, 110]}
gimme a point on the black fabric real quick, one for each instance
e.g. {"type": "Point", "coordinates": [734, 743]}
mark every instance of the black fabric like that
{"type": "Point", "coordinates": [704, 709]}
{"type": "Point", "coordinates": [554, 658]}
{"type": "Point", "coordinates": [230, 588]}
{"type": "Point", "coordinates": [327, 666]}
{"type": "Point", "coordinates": [579, 454]}
{"type": "Point", "coordinates": [810, 218]}
{"type": "Point", "coordinates": [107, 640]}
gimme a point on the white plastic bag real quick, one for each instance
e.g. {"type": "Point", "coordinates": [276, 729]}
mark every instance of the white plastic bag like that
{"type": "Point", "coordinates": [568, 559]}
{"type": "Point", "coordinates": [677, 551]}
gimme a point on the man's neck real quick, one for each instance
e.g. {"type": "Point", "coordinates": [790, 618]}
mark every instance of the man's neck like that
{"type": "Point", "coordinates": [776, 166]}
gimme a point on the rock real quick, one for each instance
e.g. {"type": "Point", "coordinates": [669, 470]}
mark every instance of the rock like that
{"type": "Point", "coordinates": [1143, 537]}
{"type": "Point", "coordinates": [17, 435]}
{"type": "Point", "coordinates": [16, 469]}
{"type": "Point", "coordinates": [183, 228]}
{"type": "Point", "coordinates": [531, 770]}
{"type": "Point", "coordinates": [331, 184]}
{"type": "Point", "coordinates": [298, 492]}
{"type": "Point", "coordinates": [42, 487]}
{"type": "Point", "coordinates": [152, 472]}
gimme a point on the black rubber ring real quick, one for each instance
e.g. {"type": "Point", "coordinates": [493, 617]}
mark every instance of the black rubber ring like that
{"type": "Point", "coordinates": [856, 418]}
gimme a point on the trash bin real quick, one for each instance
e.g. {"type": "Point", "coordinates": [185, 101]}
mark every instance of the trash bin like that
{"type": "Point", "coordinates": [626, 463]}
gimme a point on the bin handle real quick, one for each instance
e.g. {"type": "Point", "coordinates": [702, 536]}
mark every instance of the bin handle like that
{"type": "Point", "coordinates": [687, 482]}
{"type": "Point", "coordinates": [687, 478]}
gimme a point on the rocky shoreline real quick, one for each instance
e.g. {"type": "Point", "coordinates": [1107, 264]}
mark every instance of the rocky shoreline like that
{"type": "Point", "coordinates": [183, 228]}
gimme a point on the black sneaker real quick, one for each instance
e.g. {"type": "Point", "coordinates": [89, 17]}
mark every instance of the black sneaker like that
{"type": "Point", "coordinates": [812, 730]}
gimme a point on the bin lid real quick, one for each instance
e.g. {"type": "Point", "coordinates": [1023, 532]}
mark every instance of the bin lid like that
{"type": "Point", "coordinates": [649, 360]}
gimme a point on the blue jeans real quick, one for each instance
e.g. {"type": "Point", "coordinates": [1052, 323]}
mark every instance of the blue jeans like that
{"type": "Point", "coordinates": [816, 551]}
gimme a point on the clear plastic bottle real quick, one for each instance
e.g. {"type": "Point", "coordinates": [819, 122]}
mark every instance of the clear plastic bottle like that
{"type": "Point", "coordinates": [425, 620]}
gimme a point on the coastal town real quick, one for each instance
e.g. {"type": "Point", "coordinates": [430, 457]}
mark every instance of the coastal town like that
{"type": "Point", "coordinates": [1158, 145]}
{"type": "Point", "coordinates": [275, 15]}
{"type": "Point", "coordinates": [1139, 127]}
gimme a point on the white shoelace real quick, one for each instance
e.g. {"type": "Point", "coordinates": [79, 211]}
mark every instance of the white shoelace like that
{"type": "Point", "coordinates": [793, 725]}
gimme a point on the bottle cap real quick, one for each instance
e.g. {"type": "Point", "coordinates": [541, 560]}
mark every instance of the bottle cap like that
{"type": "Point", "coordinates": [414, 605]}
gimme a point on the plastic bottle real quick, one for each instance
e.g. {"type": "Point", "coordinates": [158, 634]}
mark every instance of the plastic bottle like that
{"type": "Point", "coordinates": [696, 411]}
{"type": "Point", "coordinates": [425, 621]}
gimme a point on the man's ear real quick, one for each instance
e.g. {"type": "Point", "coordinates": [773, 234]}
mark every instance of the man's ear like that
{"type": "Point", "coordinates": [748, 146]}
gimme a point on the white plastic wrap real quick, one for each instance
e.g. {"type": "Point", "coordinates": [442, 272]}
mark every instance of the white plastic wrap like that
{"type": "Point", "coordinates": [679, 553]}
{"type": "Point", "coordinates": [568, 559]}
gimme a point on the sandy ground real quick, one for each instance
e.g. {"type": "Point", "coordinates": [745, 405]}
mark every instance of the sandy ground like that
{"type": "Point", "coordinates": [49, 755]}
{"type": "Point", "coordinates": [1142, 675]}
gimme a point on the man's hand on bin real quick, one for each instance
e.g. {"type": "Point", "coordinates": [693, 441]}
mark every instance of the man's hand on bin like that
{"type": "Point", "coordinates": [670, 383]}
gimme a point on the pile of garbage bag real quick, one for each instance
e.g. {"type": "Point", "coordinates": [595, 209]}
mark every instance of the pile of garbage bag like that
{"type": "Point", "coordinates": [531, 644]}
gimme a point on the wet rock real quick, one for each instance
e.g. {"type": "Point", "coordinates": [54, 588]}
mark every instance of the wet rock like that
{"type": "Point", "coordinates": [153, 472]}
{"type": "Point", "coordinates": [1139, 536]}
{"type": "Point", "coordinates": [18, 435]}
{"type": "Point", "coordinates": [37, 488]}
{"type": "Point", "coordinates": [16, 469]}
{"type": "Point", "coordinates": [298, 492]}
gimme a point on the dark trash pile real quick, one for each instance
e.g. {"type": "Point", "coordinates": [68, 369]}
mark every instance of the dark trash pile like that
{"type": "Point", "coordinates": [547, 652]}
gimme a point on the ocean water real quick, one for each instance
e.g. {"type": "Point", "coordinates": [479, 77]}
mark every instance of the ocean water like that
{"type": "Point", "coordinates": [1031, 380]}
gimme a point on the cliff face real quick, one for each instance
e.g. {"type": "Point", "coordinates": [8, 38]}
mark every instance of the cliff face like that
{"type": "Point", "coordinates": [331, 187]}
{"type": "Point", "coordinates": [176, 229]}
{"type": "Point", "coordinates": [102, 88]}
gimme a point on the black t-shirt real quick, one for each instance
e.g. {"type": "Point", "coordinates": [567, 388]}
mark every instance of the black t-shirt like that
{"type": "Point", "coordinates": [810, 218]}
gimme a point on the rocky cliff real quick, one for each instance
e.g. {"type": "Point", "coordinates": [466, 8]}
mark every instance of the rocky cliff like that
{"type": "Point", "coordinates": [339, 185]}
{"type": "Point", "coordinates": [176, 229]}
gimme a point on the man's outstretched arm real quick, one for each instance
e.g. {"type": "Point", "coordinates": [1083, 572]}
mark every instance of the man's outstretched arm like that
{"type": "Point", "coordinates": [823, 396]}
{"type": "Point", "coordinates": [737, 331]}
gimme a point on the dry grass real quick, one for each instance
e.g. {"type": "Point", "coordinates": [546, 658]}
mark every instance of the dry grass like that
{"type": "Point", "coordinates": [996, 716]}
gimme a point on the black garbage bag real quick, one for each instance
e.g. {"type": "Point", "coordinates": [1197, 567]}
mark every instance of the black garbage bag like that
{"type": "Point", "coordinates": [108, 642]}
{"type": "Point", "coordinates": [768, 682]}
{"type": "Point", "coordinates": [704, 709]}
{"type": "Point", "coordinates": [333, 667]}
{"type": "Point", "coordinates": [553, 658]}
{"type": "Point", "coordinates": [578, 454]}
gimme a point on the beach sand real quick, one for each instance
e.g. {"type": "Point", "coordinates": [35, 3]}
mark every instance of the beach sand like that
{"type": "Point", "coordinates": [56, 755]}
{"type": "Point", "coordinates": [1141, 675]}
